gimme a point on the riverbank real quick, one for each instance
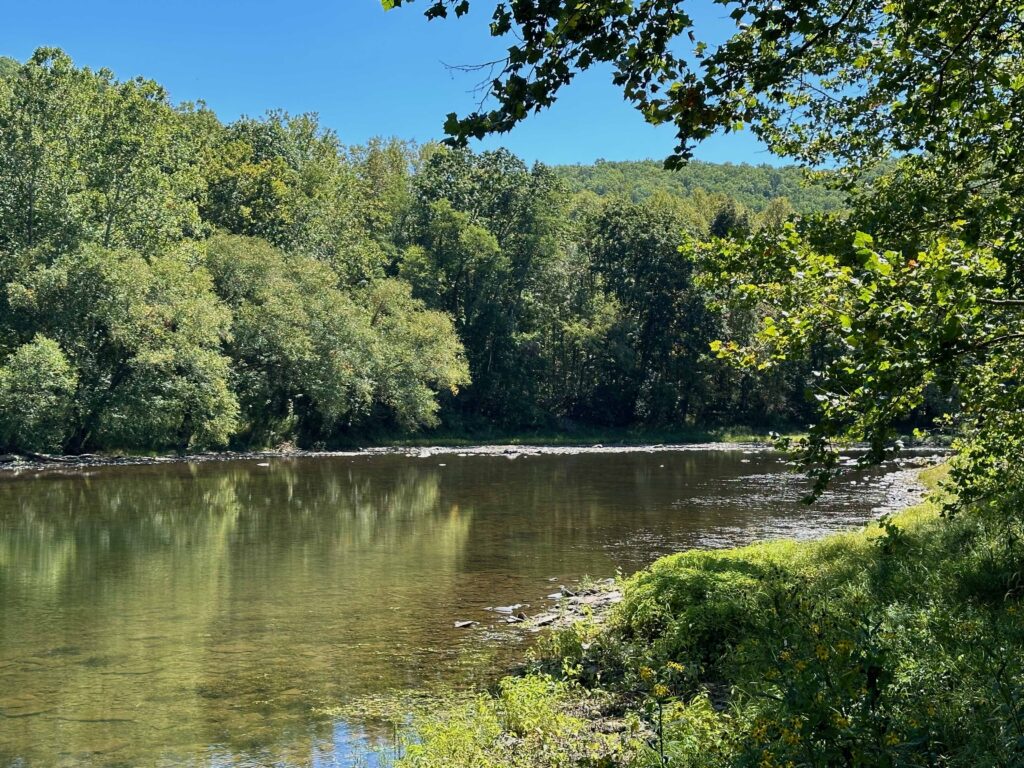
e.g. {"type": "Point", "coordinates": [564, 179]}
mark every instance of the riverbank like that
{"type": "Point", "coordinates": [482, 443]}
{"type": "Point", "coordinates": [899, 644]}
{"type": "Point", "coordinates": [508, 446]}
{"type": "Point", "coordinates": [13, 462]}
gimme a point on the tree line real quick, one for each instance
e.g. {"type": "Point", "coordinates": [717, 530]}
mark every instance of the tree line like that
{"type": "Point", "coordinates": [172, 282]}
{"type": "Point", "coordinates": [754, 187]}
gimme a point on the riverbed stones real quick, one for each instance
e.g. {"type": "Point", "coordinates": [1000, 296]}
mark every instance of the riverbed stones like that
{"type": "Point", "coordinates": [35, 461]}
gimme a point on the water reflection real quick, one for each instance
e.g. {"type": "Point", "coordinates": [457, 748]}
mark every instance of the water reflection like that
{"type": "Point", "coordinates": [209, 613]}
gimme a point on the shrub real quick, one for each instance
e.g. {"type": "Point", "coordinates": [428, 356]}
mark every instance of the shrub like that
{"type": "Point", "coordinates": [37, 389]}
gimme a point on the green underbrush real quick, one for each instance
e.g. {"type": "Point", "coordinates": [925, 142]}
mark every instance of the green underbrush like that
{"type": "Point", "coordinates": [896, 645]}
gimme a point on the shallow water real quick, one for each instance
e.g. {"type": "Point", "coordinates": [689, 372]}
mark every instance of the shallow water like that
{"type": "Point", "coordinates": [209, 614]}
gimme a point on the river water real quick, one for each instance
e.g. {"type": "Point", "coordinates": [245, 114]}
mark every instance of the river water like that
{"type": "Point", "coordinates": [224, 613]}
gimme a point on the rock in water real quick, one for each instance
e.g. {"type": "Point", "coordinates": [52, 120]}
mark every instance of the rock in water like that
{"type": "Point", "coordinates": [508, 608]}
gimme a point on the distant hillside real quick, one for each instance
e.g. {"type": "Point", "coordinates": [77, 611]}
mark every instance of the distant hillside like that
{"type": "Point", "coordinates": [751, 185]}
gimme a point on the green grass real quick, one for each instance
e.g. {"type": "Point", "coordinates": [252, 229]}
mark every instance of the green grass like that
{"type": "Point", "coordinates": [900, 644]}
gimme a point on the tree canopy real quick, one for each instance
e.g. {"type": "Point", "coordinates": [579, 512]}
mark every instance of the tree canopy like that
{"type": "Point", "coordinates": [139, 313]}
{"type": "Point", "coordinates": [172, 282]}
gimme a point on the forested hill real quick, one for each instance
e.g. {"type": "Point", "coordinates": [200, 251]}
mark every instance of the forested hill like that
{"type": "Point", "coordinates": [171, 281]}
{"type": "Point", "coordinates": [753, 186]}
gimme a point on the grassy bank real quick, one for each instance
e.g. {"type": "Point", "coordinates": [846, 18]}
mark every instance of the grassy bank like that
{"type": "Point", "coordinates": [897, 645]}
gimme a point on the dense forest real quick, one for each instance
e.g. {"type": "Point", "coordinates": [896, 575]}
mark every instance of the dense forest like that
{"type": "Point", "coordinates": [172, 282]}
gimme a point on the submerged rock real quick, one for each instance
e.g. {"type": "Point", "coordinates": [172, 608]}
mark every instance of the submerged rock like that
{"type": "Point", "coordinates": [544, 620]}
{"type": "Point", "coordinates": [508, 608]}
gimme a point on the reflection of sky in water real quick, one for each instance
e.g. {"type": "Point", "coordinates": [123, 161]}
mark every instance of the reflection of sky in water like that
{"type": "Point", "coordinates": [348, 749]}
{"type": "Point", "coordinates": [771, 505]}
{"type": "Point", "coordinates": [211, 614]}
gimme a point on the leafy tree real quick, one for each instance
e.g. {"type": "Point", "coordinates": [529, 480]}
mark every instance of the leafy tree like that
{"type": "Point", "coordinates": [40, 136]}
{"type": "Point", "coordinates": [310, 360]}
{"type": "Point", "coordinates": [300, 349]}
{"type": "Point", "coordinates": [286, 180]}
{"type": "Point", "coordinates": [576, 320]}
{"type": "Point", "coordinates": [37, 387]}
{"type": "Point", "coordinates": [662, 328]}
{"type": "Point", "coordinates": [730, 221]}
{"type": "Point", "coordinates": [455, 264]}
{"type": "Point", "coordinates": [485, 227]}
{"type": "Point", "coordinates": [140, 183]}
{"type": "Point", "coordinates": [417, 355]}
{"type": "Point", "coordinates": [385, 178]}
{"type": "Point", "coordinates": [775, 214]}
{"type": "Point", "coordinates": [8, 67]}
{"type": "Point", "coordinates": [86, 159]}
{"type": "Point", "coordinates": [143, 338]}
{"type": "Point", "coordinates": [814, 79]}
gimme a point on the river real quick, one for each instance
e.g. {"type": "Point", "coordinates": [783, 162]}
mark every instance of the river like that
{"type": "Point", "coordinates": [220, 613]}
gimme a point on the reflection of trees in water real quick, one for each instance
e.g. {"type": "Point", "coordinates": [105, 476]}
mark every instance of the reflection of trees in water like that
{"type": "Point", "coordinates": [212, 604]}
{"type": "Point", "coordinates": [221, 604]}
{"type": "Point", "coordinates": [602, 511]}
{"type": "Point", "coordinates": [584, 501]}
{"type": "Point", "coordinates": [61, 534]}
{"type": "Point", "coordinates": [63, 531]}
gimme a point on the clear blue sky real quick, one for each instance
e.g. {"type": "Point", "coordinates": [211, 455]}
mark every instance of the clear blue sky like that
{"type": "Point", "coordinates": [365, 71]}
